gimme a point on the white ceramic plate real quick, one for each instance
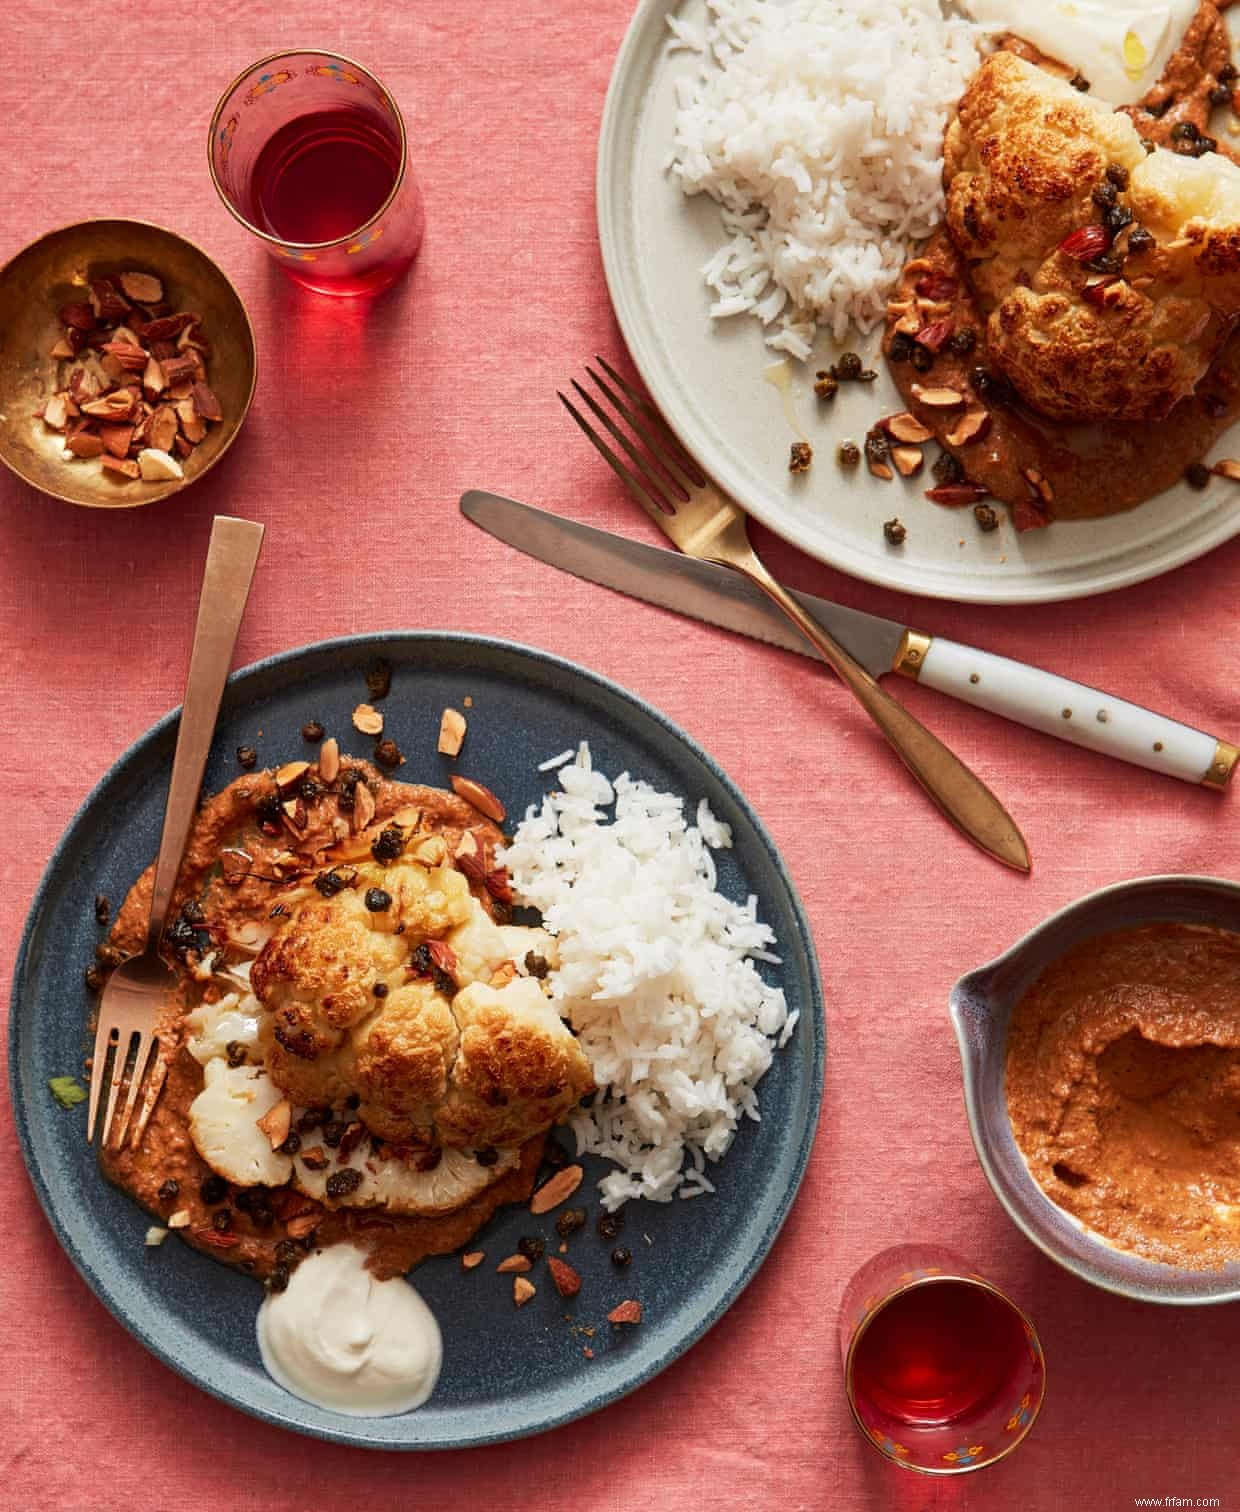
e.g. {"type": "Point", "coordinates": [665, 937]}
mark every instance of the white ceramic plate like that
{"type": "Point", "coordinates": [708, 378]}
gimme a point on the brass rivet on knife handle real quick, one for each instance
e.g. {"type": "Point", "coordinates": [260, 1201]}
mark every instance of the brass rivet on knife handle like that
{"type": "Point", "coordinates": [1222, 765]}
{"type": "Point", "coordinates": [911, 654]}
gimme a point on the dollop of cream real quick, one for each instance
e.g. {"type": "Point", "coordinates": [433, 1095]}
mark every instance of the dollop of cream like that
{"type": "Point", "coordinates": [341, 1339]}
{"type": "Point", "coordinates": [1120, 46]}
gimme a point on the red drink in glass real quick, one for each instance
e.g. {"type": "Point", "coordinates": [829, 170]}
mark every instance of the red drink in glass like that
{"type": "Point", "coordinates": [942, 1371]}
{"type": "Point", "coordinates": [308, 151]}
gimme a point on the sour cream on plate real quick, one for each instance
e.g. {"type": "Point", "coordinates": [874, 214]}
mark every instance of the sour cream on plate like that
{"type": "Point", "coordinates": [341, 1339]}
{"type": "Point", "coordinates": [1120, 46]}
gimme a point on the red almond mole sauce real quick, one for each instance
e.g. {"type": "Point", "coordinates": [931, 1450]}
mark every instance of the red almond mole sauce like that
{"type": "Point", "coordinates": [1123, 1089]}
{"type": "Point", "coordinates": [1088, 471]}
{"type": "Point", "coordinates": [229, 820]}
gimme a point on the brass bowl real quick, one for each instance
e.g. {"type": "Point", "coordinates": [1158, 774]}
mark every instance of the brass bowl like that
{"type": "Point", "coordinates": [54, 271]}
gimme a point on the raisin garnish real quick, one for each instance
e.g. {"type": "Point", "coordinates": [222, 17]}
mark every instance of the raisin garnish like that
{"type": "Point", "coordinates": [329, 883]}
{"type": "Point", "coordinates": [380, 989]}
{"type": "Point", "coordinates": [221, 1221]}
{"type": "Point", "coordinates": [532, 1248]}
{"type": "Point", "coordinates": [991, 386]}
{"type": "Point", "coordinates": [486, 1157]}
{"type": "Point", "coordinates": [286, 1252]}
{"type": "Point", "coordinates": [420, 960]}
{"type": "Point", "coordinates": [244, 1199]}
{"type": "Point", "coordinates": [848, 454]}
{"type": "Point", "coordinates": [947, 468]}
{"type": "Point", "coordinates": [341, 1183]}
{"type": "Point", "coordinates": [170, 1190]}
{"type": "Point", "coordinates": [609, 1225]}
{"type": "Point", "coordinates": [826, 385]}
{"type": "Point", "coordinates": [334, 1132]}
{"type": "Point", "coordinates": [1105, 195]}
{"type": "Point", "coordinates": [1159, 108]}
{"type": "Point", "coordinates": [1214, 405]}
{"type": "Point", "coordinates": [354, 1100]}
{"type": "Point", "coordinates": [922, 358]}
{"type": "Point", "coordinates": [986, 517]}
{"type": "Point", "coordinates": [849, 367]}
{"type": "Point", "coordinates": [214, 1189]}
{"type": "Point", "coordinates": [235, 1053]}
{"type": "Point", "coordinates": [346, 797]}
{"type": "Point", "coordinates": [103, 909]}
{"type": "Point", "coordinates": [1105, 262]}
{"type": "Point", "coordinates": [377, 901]}
{"type": "Point", "coordinates": [1140, 240]}
{"type": "Point", "coordinates": [261, 1216]}
{"type": "Point", "coordinates": [388, 843]}
{"type": "Point", "coordinates": [292, 1143]}
{"type": "Point", "coordinates": [1079, 81]}
{"type": "Point", "coordinates": [277, 1281]}
{"type": "Point", "coordinates": [312, 1118]}
{"type": "Point", "coordinates": [1227, 73]}
{"type": "Point", "coordinates": [387, 754]}
{"type": "Point", "coordinates": [877, 445]}
{"type": "Point", "coordinates": [536, 965]}
{"type": "Point", "coordinates": [621, 1256]}
{"type": "Point", "coordinates": [94, 978]}
{"type": "Point", "coordinates": [269, 813]}
{"type": "Point", "coordinates": [1117, 174]}
{"type": "Point", "coordinates": [247, 758]}
{"type": "Point", "coordinates": [1116, 218]}
{"type": "Point", "coordinates": [1197, 475]}
{"type": "Point", "coordinates": [312, 731]}
{"type": "Point", "coordinates": [963, 341]}
{"type": "Point", "coordinates": [442, 982]}
{"type": "Point", "coordinates": [569, 1221]}
{"type": "Point", "coordinates": [308, 789]}
{"type": "Point", "coordinates": [895, 532]}
{"type": "Point", "coordinates": [901, 348]}
{"type": "Point", "coordinates": [800, 456]}
{"type": "Point", "coordinates": [1184, 131]}
{"type": "Point", "coordinates": [379, 678]}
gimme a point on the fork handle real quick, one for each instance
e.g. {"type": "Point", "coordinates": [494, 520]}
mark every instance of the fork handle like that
{"type": "Point", "coordinates": [961, 795]}
{"type": "Point", "coordinates": [231, 558]}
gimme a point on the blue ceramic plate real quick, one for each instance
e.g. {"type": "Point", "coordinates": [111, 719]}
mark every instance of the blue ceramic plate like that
{"type": "Point", "coordinates": [505, 1373]}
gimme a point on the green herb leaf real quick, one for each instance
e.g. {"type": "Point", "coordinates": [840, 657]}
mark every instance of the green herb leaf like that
{"type": "Point", "coordinates": [67, 1090]}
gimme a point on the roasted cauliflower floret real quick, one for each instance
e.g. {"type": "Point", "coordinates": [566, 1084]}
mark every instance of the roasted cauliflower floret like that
{"type": "Point", "coordinates": [1022, 161]}
{"type": "Point", "coordinates": [401, 1058]}
{"type": "Point", "coordinates": [223, 1125]}
{"type": "Point", "coordinates": [519, 1068]}
{"type": "Point", "coordinates": [481, 946]}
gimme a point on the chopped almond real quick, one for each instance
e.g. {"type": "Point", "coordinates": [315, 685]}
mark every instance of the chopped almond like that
{"type": "Point", "coordinates": [121, 466]}
{"type": "Point", "coordinates": [56, 412]}
{"type": "Point", "coordinates": [368, 720]}
{"type": "Point", "coordinates": [513, 1263]}
{"type": "Point", "coordinates": [908, 460]}
{"type": "Point", "coordinates": [905, 427]}
{"type": "Point", "coordinates": [937, 398]}
{"type": "Point", "coordinates": [329, 759]}
{"type": "Point", "coordinates": [522, 1290]}
{"type": "Point", "coordinates": [143, 288]}
{"type": "Point", "coordinates": [482, 798]}
{"type": "Point", "coordinates": [84, 444]}
{"type": "Point", "coordinates": [626, 1312]}
{"type": "Point", "coordinates": [558, 1189]}
{"type": "Point", "coordinates": [363, 806]}
{"type": "Point", "coordinates": [451, 732]}
{"type": "Point", "coordinates": [179, 1219]}
{"type": "Point", "coordinates": [291, 773]}
{"type": "Point", "coordinates": [1228, 467]}
{"type": "Point", "coordinates": [276, 1123]}
{"type": "Point", "coordinates": [473, 1259]}
{"type": "Point", "coordinates": [156, 466]}
{"type": "Point", "coordinates": [567, 1280]}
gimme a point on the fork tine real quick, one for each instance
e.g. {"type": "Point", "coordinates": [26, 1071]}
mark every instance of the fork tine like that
{"type": "Point", "coordinates": [99, 1078]}
{"type": "Point", "coordinates": [648, 409]}
{"type": "Point", "coordinates": [146, 1044]}
{"type": "Point", "coordinates": [118, 1073]}
{"type": "Point", "coordinates": [660, 449]}
{"type": "Point", "coordinates": [637, 489]}
{"type": "Point", "coordinates": [155, 1085]}
{"type": "Point", "coordinates": [656, 485]}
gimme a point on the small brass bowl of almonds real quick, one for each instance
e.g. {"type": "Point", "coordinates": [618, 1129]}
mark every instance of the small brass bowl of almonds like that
{"type": "Point", "coordinates": [127, 363]}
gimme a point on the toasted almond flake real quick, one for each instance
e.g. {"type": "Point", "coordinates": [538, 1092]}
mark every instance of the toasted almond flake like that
{"type": "Point", "coordinates": [367, 719]}
{"type": "Point", "coordinates": [482, 798]}
{"type": "Point", "coordinates": [155, 1235]}
{"type": "Point", "coordinates": [1228, 467]}
{"type": "Point", "coordinates": [971, 426]}
{"type": "Point", "coordinates": [880, 469]}
{"type": "Point", "coordinates": [473, 1258]}
{"type": "Point", "coordinates": [329, 759]}
{"type": "Point", "coordinates": [514, 1263]}
{"type": "Point", "coordinates": [290, 773]}
{"type": "Point", "coordinates": [409, 817]}
{"type": "Point", "coordinates": [156, 466]}
{"type": "Point", "coordinates": [179, 1219]}
{"type": "Point", "coordinates": [467, 845]}
{"type": "Point", "coordinates": [522, 1290]}
{"type": "Point", "coordinates": [144, 288]}
{"type": "Point", "coordinates": [905, 427]}
{"type": "Point", "coordinates": [363, 806]}
{"type": "Point", "coordinates": [451, 732]}
{"type": "Point", "coordinates": [558, 1189]}
{"type": "Point", "coordinates": [276, 1123]}
{"type": "Point", "coordinates": [908, 460]}
{"type": "Point", "coordinates": [937, 398]}
{"type": "Point", "coordinates": [433, 851]}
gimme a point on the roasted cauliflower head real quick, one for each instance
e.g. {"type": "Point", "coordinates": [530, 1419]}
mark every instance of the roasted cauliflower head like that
{"type": "Point", "coordinates": [398, 996]}
{"type": "Point", "coordinates": [1027, 161]}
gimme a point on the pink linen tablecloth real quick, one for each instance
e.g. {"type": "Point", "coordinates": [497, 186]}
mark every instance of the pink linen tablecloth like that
{"type": "Point", "coordinates": [367, 425]}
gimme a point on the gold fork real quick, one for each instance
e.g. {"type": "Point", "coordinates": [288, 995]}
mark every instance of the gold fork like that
{"type": "Point", "coordinates": [705, 523]}
{"type": "Point", "coordinates": [140, 986]}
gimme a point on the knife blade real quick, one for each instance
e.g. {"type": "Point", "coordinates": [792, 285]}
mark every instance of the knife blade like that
{"type": "Point", "coordinates": [1041, 700]}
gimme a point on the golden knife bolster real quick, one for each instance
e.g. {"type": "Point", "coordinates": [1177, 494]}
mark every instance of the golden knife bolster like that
{"type": "Point", "coordinates": [910, 658]}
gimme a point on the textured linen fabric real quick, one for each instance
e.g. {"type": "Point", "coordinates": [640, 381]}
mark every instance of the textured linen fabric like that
{"type": "Point", "coordinates": [368, 423]}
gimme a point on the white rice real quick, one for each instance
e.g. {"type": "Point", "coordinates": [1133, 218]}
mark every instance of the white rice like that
{"type": "Point", "coordinates": [818, 127]}
{"type": "Point", "coordinates": [655, 975]}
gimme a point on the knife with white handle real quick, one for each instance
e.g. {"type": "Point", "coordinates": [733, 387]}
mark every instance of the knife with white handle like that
{"type": "Point", "coordinates": [1029, 696]}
